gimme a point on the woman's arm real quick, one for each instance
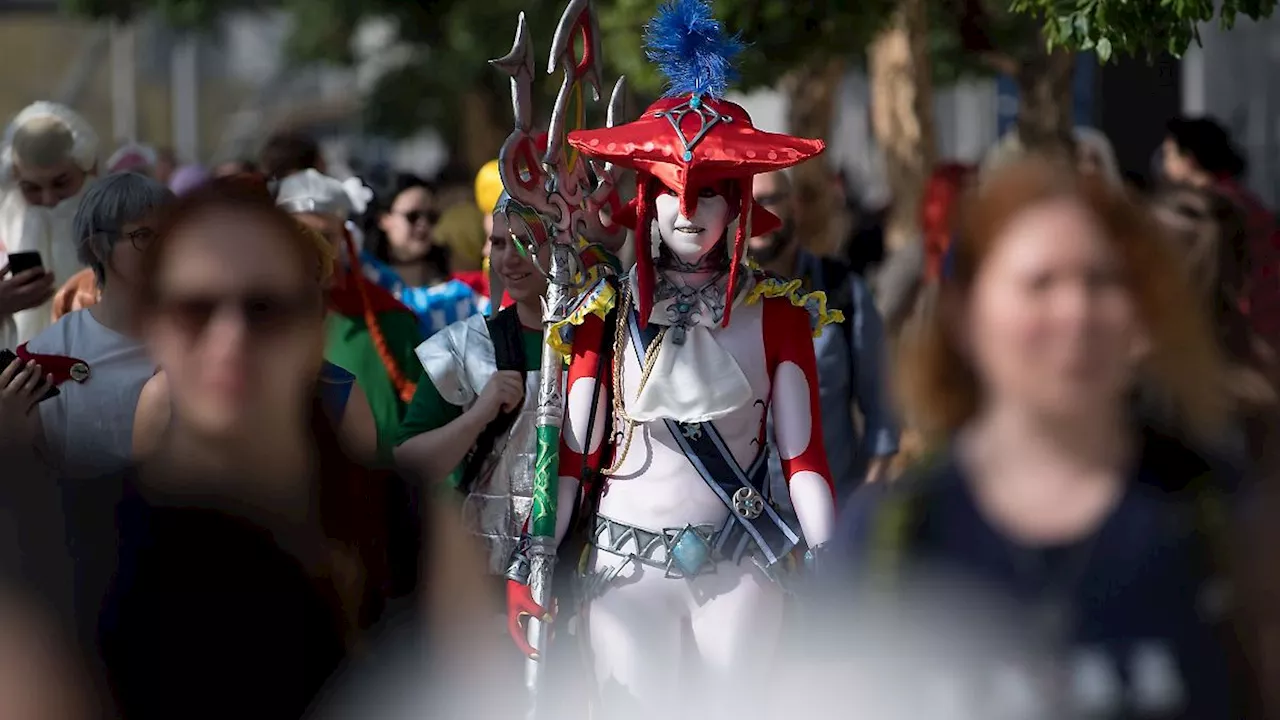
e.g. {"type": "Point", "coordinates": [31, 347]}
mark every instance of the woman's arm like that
{"type": "Point", "coordinates": [151, 418]}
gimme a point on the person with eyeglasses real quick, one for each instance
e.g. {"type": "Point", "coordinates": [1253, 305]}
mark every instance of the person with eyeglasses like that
{"type": "Point", "coordinates": [95, 357]}
{"type": "Point", "coordinates": [402, 257]}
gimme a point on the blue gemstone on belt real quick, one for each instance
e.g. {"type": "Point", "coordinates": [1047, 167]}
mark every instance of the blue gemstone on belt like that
{"type": "Point", "coordinates": [690, 552]}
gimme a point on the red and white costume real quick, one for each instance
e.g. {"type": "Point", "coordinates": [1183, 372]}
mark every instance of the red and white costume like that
{"type": "Point", "coordinates": [674, 500]}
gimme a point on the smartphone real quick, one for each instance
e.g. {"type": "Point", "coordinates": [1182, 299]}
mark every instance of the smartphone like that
{"type": "Point", "coordinates": [24, 261]}
{"type": "Point", "coordinates": [8, 356]}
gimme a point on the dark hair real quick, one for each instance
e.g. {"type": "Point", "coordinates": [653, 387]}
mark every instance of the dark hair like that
{"type": "Point", "coordinates": [287, 153]}
{"type": "Point", "coordinates": [376, 240]}
{"type": "Point", "coordinates": [1208, 143]}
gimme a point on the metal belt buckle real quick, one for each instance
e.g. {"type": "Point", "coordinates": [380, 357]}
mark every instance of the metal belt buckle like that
{"type": "Point", "coordinates": [748, 503]}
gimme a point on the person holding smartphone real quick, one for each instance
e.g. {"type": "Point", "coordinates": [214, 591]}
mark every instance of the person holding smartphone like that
{"type": "Point", "coordinates": [22, 386]}
{"type": "Point", "coordinates": [20, 291]}
{"type": "Point", "coordinates": [96, 356]}
{"type": "Point", "coordinates": [47, 163]}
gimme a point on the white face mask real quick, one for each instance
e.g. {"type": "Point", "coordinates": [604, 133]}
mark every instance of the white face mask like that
{"type": "Point", "coordinates": [691, 238]}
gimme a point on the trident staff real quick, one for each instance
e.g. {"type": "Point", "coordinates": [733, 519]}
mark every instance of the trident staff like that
{"type": "Point", "coordinates": [554, 219]}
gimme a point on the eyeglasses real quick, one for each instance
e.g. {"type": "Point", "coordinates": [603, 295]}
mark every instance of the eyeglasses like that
{"type": "Point", "coordinates": [141, 238]}
{"type": "Point", "coordinates": [413, 216]}
{"type": "Point", "coordinates": [264, 314]}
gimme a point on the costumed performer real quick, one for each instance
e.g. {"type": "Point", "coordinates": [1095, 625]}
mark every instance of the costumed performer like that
{"type": "Point", "coordinates": [675, 498]}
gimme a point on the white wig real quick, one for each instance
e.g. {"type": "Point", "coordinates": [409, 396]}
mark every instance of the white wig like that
{"type": "Point", "coordinates": [84, 141]}
{"type": "Point", "coordinates": [311, 191]}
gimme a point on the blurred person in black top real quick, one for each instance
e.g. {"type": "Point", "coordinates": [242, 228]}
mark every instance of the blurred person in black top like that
{"type": "Point", "coordinates": [1106, 543]}
{"type": "Point", "coordinates": [252, 552]}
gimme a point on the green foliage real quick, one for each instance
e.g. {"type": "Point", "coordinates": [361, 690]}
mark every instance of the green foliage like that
{"type": "Point", "coordinates": [1134, 27]}
{"type": "Point", "coordinates": [453, 39]}
{"type": "Point", "coordinates": [191, 14]}
{"type": "Point", "coordinates": [780, 35]}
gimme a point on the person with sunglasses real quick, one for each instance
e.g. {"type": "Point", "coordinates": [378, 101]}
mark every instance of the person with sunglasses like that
{"type": "Point", "coordinates": [232, 308]}
{"type": "Point", "coordinates": [95, 357]}
{"type": "Point", "coordinates": [341, 398]}
{"type": "Point", "coordinates": [403, 258]}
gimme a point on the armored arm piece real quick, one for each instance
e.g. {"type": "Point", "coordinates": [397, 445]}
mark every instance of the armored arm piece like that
{"type": "Point", "coordinates": [797, 417]}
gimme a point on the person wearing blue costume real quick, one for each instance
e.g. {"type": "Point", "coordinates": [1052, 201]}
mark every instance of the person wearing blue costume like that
{"type": "Point", "coordinates": [402, 258]}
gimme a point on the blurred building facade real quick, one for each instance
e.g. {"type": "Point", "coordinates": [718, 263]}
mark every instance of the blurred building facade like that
{"type": "Point", "coordinates": [210, 97]}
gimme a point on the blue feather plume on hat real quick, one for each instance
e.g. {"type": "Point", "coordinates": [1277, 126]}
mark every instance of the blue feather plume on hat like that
{"type": "Point", "coordinates": [691, 48]}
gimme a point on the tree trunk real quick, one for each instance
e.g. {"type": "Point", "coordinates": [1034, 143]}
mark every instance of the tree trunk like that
{"type": "Point", "coordinates": [480, 134]}
{"type": "Point", "coordinates": [1045, 94]}
{"type": "Point", "coordinates": [902, 117]}
{"type": "Point", "coordinates": [811, 96]}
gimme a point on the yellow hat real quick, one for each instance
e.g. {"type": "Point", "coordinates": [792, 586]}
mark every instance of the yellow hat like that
{"type": "Point", "coordinates": [488, 187]}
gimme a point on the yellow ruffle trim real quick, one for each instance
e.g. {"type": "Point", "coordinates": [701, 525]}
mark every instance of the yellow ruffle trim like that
{"type": "Point", "coordinates": [598, 301]}
{"type": "Point", "coordinates": [814, 302]}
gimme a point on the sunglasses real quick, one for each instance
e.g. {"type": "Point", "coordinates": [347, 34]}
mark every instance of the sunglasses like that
{"type": "Point", "coordinates": [413, 216]}
{"type": "Point", "coordinates": [264, 314]}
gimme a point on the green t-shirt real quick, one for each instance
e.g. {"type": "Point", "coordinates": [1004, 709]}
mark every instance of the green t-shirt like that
{"type": "Point", "coordinates": [429, 411]}
{"type": "Point", "coordinates": [349, 345]}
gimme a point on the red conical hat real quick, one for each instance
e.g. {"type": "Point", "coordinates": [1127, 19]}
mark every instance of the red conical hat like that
{"type": "Point", "coordinates": [715, 141]}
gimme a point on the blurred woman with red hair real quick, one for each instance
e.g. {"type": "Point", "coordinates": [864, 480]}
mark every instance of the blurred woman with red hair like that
{"type": "Point", "coordinates": [1095, 537]}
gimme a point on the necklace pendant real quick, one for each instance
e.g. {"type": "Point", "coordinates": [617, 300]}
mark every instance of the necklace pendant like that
{"type": "Point", "coordinates": [678, 334]}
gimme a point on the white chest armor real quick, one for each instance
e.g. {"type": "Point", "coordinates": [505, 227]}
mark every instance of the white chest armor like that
{"type": "Point", "coordinates": [460, 360]}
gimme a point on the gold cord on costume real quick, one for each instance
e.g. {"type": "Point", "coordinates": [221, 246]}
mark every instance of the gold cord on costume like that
{"type": "Point", "coordinates": [650, 361]}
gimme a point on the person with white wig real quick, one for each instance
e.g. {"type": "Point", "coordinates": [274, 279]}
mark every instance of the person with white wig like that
{"type": "Point", "coordinates": [49, 155]}
{"type": "Point", "coordinates": [94, 355]}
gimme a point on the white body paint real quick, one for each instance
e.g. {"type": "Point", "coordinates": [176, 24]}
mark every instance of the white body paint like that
{"type": "Point", "coordinates": [711, 218]}
{"type": "Point", "coordinates": [735, 613]}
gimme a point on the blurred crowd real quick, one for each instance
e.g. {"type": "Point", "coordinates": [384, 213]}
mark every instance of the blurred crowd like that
{"type": "Point", "coordinates": [266, 442]}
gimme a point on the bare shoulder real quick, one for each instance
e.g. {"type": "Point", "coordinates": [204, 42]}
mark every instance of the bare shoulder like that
{"type": "Point", "coordinates": [151, 418]}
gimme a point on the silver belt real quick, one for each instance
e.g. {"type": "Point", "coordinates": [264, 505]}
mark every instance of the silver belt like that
{"type": "Point", "coordinates": [681, 552]}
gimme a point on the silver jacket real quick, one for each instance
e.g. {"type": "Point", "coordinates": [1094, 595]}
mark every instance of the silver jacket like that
{"type": "Point", "coordinates": [460, 360]}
